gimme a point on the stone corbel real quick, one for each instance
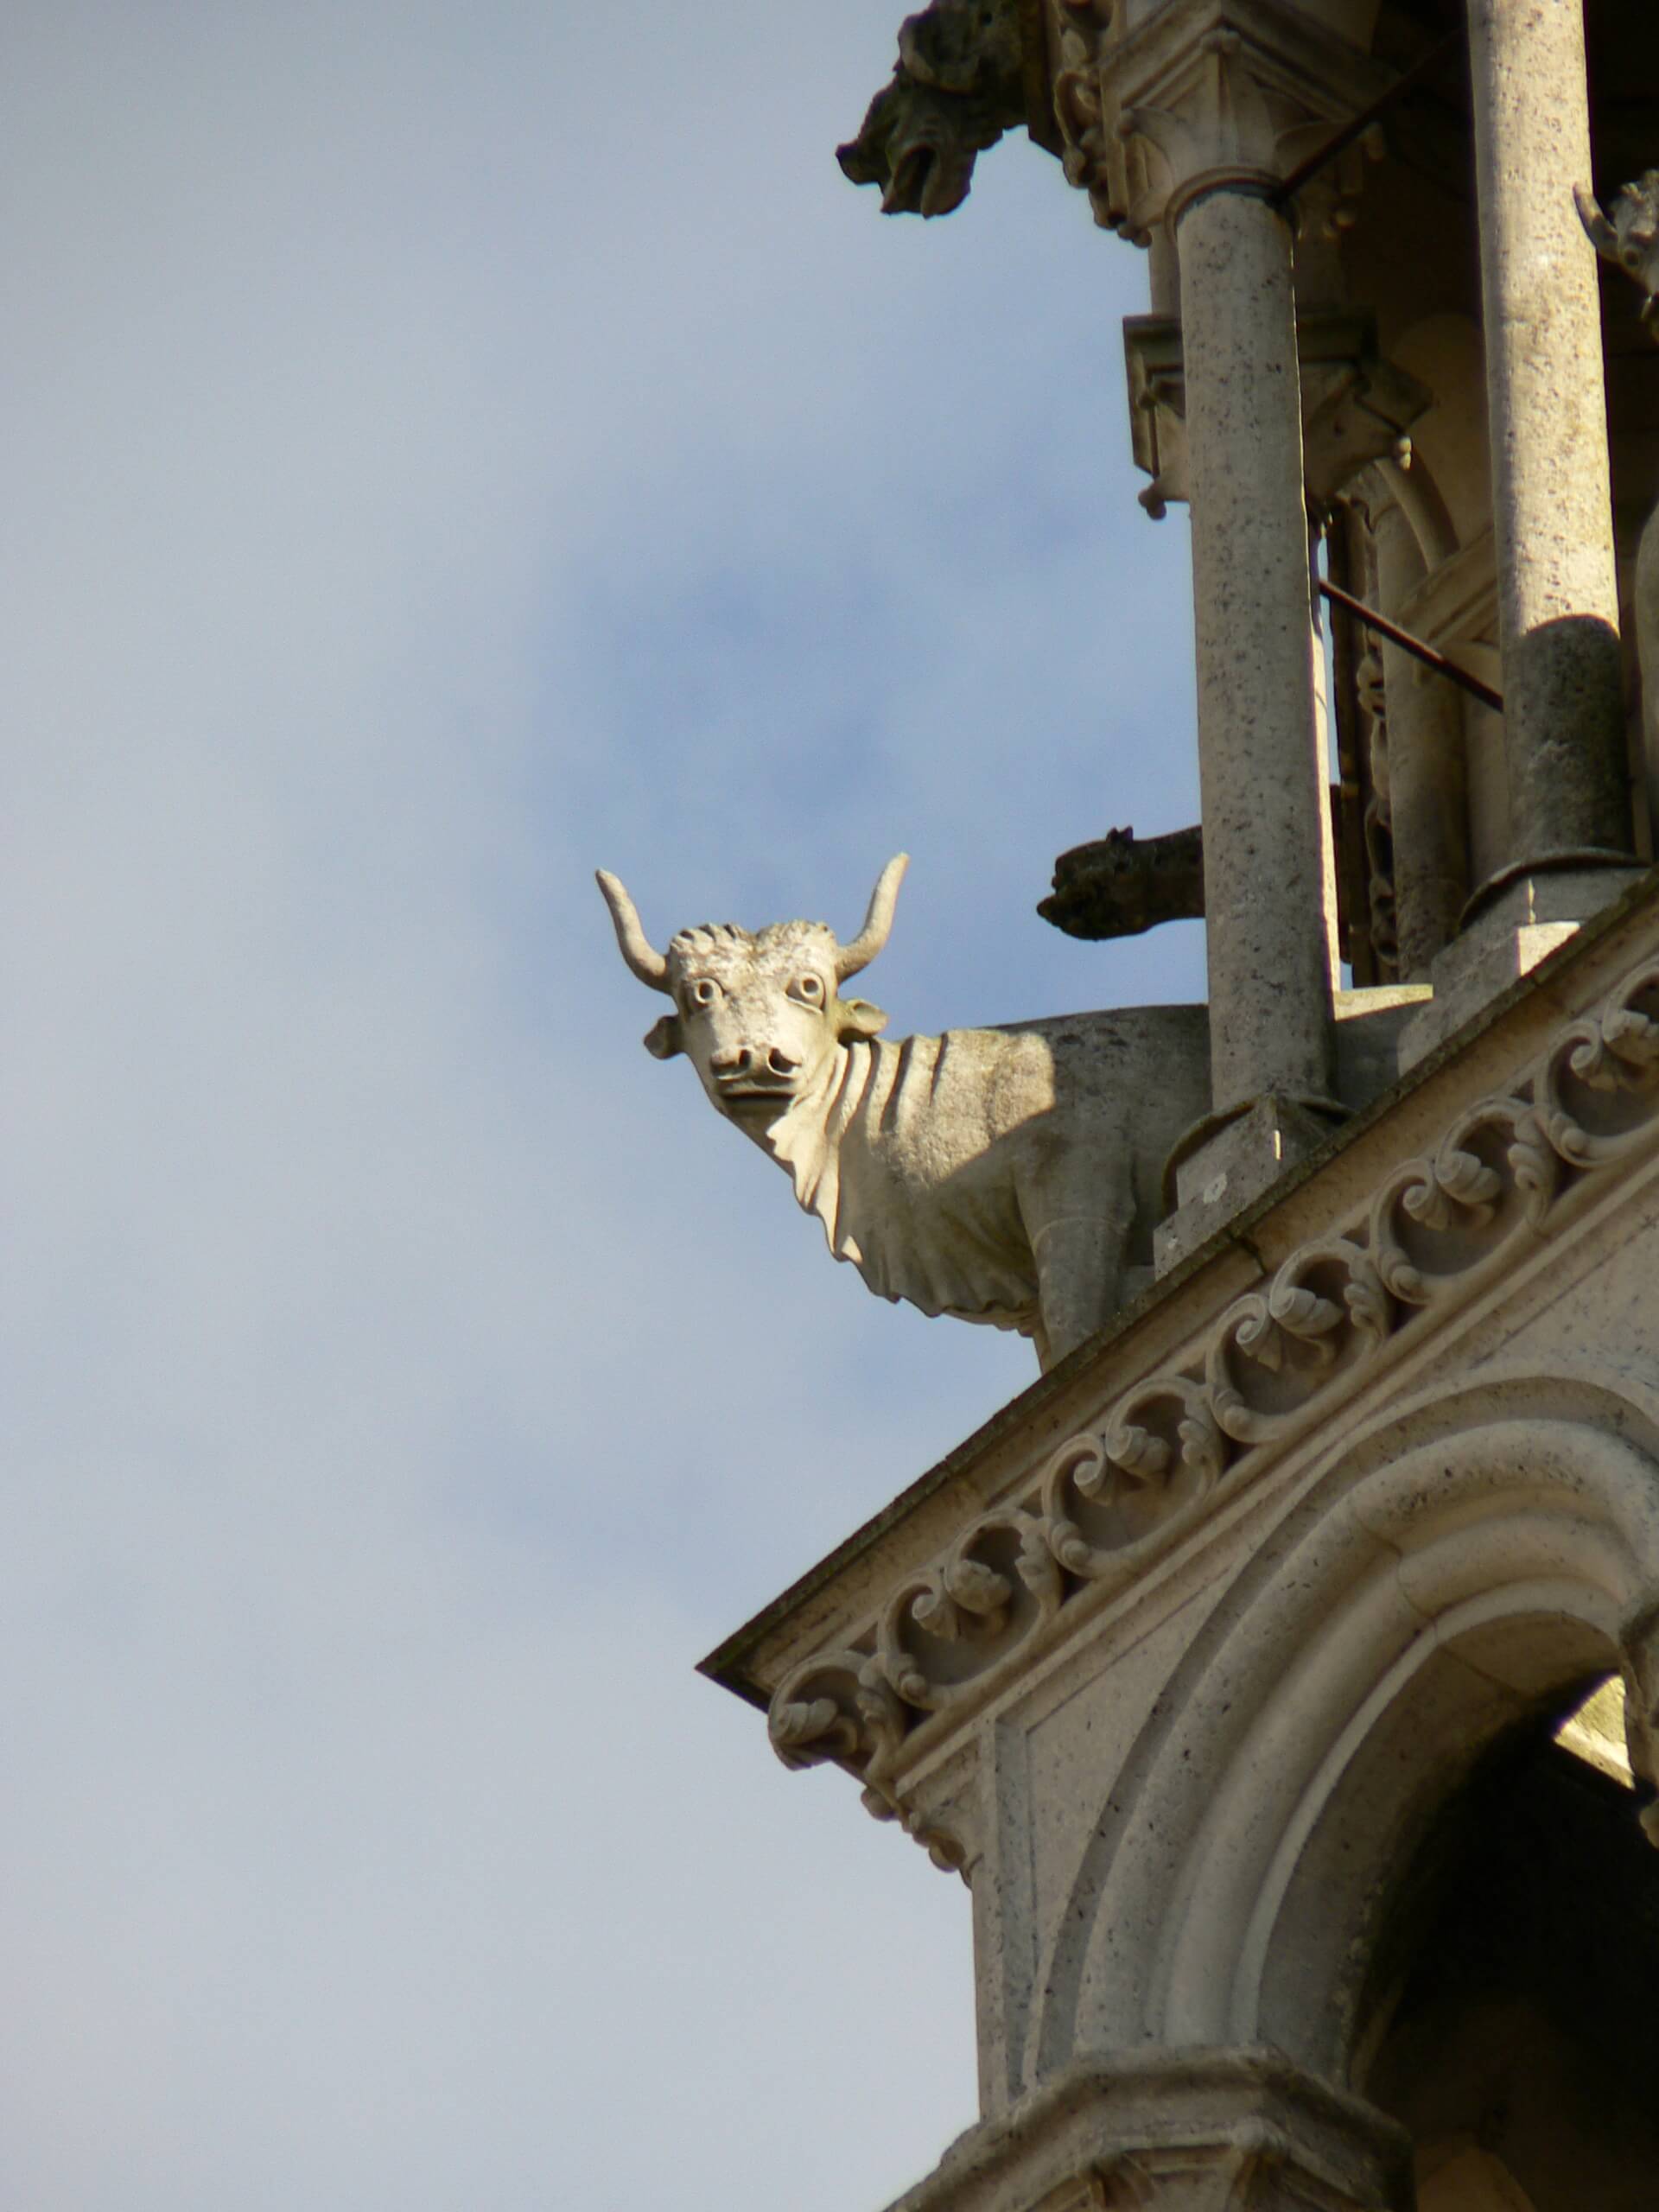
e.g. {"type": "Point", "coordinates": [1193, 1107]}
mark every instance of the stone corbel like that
{"type": "Point", "coordinates": [1357, 407]}
{"type": "Point", "coordinates": [841, 1710]}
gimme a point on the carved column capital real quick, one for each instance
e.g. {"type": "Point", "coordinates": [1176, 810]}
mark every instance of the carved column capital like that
{"type": "Point", "coordinates": [1203, 95]}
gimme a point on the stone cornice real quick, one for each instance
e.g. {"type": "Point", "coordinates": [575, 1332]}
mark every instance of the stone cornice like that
{"type": "Point", "coordinates": [1224, 1382]}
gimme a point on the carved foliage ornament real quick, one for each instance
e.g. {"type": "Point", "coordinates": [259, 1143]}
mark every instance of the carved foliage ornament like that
{"type": "Point", "coordinates": [1108, 1502]}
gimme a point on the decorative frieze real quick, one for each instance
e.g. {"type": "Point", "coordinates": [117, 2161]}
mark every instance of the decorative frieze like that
{"type": "Point", "coordinates": [1105, 1504]}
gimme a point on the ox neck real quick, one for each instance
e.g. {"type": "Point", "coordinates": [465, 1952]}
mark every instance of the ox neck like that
{"type": "Point", "coordinates": [798, 1132]}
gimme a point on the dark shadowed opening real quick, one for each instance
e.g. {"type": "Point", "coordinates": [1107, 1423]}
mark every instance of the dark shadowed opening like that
{"type": "Point", "coordinates": [1511, 2021]}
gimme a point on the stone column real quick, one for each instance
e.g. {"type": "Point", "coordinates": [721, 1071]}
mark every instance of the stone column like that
{"type": "Point", "coordinates": [1551, 490]}
{"type": "Point", "coordinates": [1259, 773]}
{"type": "Point", "coordinates": [1427, 782]}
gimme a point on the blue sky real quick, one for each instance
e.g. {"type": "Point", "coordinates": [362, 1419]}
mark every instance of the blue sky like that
{"type": "Point", "coordinates": [449, 449]}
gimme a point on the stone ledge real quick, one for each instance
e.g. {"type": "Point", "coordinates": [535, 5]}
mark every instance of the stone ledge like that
{"type": "Point", "coordinates": [1237, 2130]}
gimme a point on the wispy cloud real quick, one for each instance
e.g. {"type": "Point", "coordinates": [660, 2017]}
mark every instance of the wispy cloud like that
{"type": "Point", "coordinates": [445, 455]}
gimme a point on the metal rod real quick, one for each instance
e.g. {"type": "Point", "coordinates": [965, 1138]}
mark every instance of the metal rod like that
{"type": "Point", "coordinates": [1357, 125]}
{"type": "Point", "coordinates": [1414, 647]}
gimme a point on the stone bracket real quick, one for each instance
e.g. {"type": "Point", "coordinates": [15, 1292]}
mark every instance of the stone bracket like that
{"type": "Point", "coordinates": [1357, 407]}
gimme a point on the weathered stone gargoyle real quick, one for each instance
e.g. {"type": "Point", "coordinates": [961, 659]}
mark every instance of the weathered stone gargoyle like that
{"type": "Point", "coordinates": [1008, 1176]}
{"type": "Point", "coordinates": [958, 86]}
{"type": "Point", "coordinates": [1121, 885]}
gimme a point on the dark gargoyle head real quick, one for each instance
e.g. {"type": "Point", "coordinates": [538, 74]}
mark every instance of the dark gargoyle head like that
{"type": "Point", "coordinates": [958, 87]}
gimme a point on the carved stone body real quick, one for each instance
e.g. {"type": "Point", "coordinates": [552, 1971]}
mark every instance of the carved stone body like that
{"type": "Point", "coordinates": [1008, 1176]}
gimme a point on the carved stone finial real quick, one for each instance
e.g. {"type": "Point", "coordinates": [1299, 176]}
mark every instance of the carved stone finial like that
{"type": "Point", "coordinates": [958, 86]}
{"type": "Point", "coordinates": [1629, 236]}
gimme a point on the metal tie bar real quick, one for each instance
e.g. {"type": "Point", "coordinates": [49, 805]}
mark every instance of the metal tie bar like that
{"type": "Point", "coordinates": [1359, 124]}
{"type": "Point", "coordinates": [1429, 657]}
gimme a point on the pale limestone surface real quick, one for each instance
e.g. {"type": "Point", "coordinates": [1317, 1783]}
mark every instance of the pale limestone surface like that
{"type": "Point", "coordinates": [1195, 2131]}
{"type": "Point", "coordinates": [1264, 881]}
{"type": "Point", "coordinates": [1185, 1662]}
{"type": "Point", "coordinates": [1176, 1667]}
{"type": "Point", "coordinates": [1016, 1176]}
{"type": "Point", "coordinates": [1552, 494]}
{"type": "Point", "coordinates": [1009, 1176]}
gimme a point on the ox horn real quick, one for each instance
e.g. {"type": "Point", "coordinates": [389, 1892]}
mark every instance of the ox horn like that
{"type": "Point", "coordinates": [1597, 228]}
{"type": "Point", "coordinates": [877, 923]}
{"type": "Point", "coordinates": [648, 963]}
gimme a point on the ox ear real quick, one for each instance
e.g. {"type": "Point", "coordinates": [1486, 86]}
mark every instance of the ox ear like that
{"type": "Point", "coordinates": [858, 1018]}
{"type": "Point", "coordinates": [663, 1041]}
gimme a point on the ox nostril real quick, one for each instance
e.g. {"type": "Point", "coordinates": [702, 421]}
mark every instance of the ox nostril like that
{"type": "Point", "coordinates": [780, 1062]}
{"type": "Point", "coordinates": [733, 1062]}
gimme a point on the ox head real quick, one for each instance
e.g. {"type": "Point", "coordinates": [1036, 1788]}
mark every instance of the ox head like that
{"type": "Point", "coordinates": [759, 1015]}
{"type": "Point", "coordinates": [1628, 234]}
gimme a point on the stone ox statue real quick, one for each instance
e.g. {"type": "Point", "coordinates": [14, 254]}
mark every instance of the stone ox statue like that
{"type": "Point", "coordinates": [1008, 1175]}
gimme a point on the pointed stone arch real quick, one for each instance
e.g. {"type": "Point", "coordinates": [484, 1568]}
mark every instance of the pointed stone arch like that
{"type": "Point", "coordinates": [1464, 1565]}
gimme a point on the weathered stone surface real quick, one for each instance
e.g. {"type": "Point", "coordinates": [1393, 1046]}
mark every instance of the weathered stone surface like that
{"type": "Point", "coordinates": [1263, 792]}
{"type": "Point", "coordinates": [1121, 885]}
{"type": "Point", "coordinates": [1629, 239]}
{"type": "Point", "coordinates": [1008, 1176]}
{"type": "Point", "coordinates": [1551, 488]}
{"type": "Point", "coordinates": [1424, 780]}
{"type": "Point", "coordinates": [1180, 1662]}
{"type": "Point", "coordinates": [1518, 928]}
{"type": "Point", "coordinates": [958, 85]}
{"type": "Point", "coordinates": [1190, 2131]}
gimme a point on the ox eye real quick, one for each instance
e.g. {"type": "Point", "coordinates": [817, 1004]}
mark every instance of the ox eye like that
{"type": "Point", "coordinates": [810, 989]}
{"type": "Point", "coordinates": [702, 992]}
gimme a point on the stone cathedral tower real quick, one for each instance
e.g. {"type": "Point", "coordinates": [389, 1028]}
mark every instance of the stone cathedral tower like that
{"type": "Point", "coordinates": [1241, 1664]}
